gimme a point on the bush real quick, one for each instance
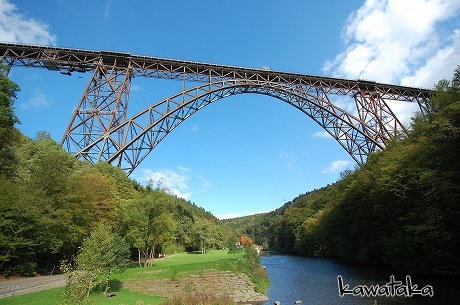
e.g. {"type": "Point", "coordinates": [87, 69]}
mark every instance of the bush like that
{"type": "Point", "coordinates": [250, 266]}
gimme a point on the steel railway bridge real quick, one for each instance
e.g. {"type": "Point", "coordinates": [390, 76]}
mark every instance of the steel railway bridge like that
{"type": "Point", "coordinates": [100, 131]}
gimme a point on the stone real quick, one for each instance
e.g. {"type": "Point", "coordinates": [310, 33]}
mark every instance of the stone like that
{"type": "Point", "coordinates": [111, 294]}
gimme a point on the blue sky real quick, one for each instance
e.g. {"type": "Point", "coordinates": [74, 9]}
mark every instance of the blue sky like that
{"type": "Point", "coordinates": [248, 153]}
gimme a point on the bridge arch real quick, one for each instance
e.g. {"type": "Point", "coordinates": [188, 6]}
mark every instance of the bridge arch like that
{"type": "Point", "coordinates": [128, 144]}
{"type": "Point", "coordinates": [99, 129]}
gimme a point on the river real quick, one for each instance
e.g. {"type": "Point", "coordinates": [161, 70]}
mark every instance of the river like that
{"type": "Point", "coordinates": [315, 281]}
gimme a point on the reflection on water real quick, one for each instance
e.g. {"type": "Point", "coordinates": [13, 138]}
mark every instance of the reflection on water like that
{"type": "Point", "coordinates": [314, 281]}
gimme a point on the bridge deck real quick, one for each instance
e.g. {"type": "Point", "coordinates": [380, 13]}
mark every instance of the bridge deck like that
{"type": "Point", "coordinates": [70, 60]}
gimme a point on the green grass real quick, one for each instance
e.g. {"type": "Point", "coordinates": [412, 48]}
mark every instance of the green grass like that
{"type": "Point", "coordinates": [178, 265]}
{"type": "Point", "coordinates": [51, 296]}
{"type": "Point", "coordinates": [54, 297]}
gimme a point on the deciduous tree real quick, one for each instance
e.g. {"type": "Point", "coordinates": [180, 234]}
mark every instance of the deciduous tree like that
{"type": "Point", "coordinates": [100, 254]}
{"type": "Point", "coordinates": [147, 222]}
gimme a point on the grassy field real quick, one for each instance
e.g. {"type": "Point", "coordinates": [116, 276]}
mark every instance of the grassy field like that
{"type": "Point", "coordinates": [178, 265]}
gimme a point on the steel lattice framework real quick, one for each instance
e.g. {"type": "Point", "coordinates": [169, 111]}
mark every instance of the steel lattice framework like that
{"type": "Point", "coordinates": [99, 130]}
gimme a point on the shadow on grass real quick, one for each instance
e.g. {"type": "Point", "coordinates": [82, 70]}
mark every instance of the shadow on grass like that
{"type": "Point", "coordinates": [134, 265]}
{"type": "Point", "coordinates": [114, 286]}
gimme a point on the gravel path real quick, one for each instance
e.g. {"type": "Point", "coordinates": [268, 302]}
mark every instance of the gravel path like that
{"type": "Point", "coordinates": [9, 288]}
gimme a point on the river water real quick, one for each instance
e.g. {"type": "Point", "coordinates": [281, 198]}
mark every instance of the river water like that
{"type": "Point", "coordinates": [315, 281]}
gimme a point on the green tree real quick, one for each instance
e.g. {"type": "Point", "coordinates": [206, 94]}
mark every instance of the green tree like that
{"type": "Point", "coordinates": [124, 188]}
{"type": "Point", "coordinates": [147, 223]}
{"type": "Point", "coordinates": [8, 134]}
{"type": "Point", "coordinates": [45, 178]}
{"type": "Point", "coordinates": [18, 224]}
{"type": "Point", "coordinates": [183, 236]}
{"type": "Point", "coordinates": [93, 196]}
{"type": "Point", "coordinates": [204, 234]}
{"type": "Point", "coordinates": [100, 254]}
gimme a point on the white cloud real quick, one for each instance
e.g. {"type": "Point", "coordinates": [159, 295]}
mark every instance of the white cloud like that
{"type": "Point", "coordinates": [336, 166]}
{"type": "Point", "coordinates": [345, 102]}
{"type": "Point", "coordinates": [289, 157]}
{"type": "Point", "coordinates": [176, 182]}
{"type": "Point", "coordinates": [206, 184]}
{"type": "Point", "coordinates": [184, 169]}
{"type": "Point", "coordinates": [390, 40]}
{"type": "Point", "coordinates": [438, 66]}
{"type": "Point", "coordinates": [38, 101]}
{"type": "Point", "coordinates": [194, 128]}
{"type": "Point", "coordinates": [403, 111]}
{"type": "Point", "coordinates": [179, 181]}
{"type": "Point", "coordinates": [410, 42]}
{"type": "Point", "coordinates": [135, 88]}
{"type": "Point", "coordinates": [15, 27]}
{"type": "Point", "coordinates": [108, 4]}
{"type": "Point", "coordinates": [322, 134]}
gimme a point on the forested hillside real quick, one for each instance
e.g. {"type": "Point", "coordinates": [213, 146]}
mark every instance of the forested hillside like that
{"type": "Point", "coordinates": [401, 207]}
{"type": "Point", "coordinates": [50, 202]}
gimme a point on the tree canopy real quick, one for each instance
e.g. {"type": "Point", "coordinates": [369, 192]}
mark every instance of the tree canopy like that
{"type": "Point", "coordinates": [8, 94]}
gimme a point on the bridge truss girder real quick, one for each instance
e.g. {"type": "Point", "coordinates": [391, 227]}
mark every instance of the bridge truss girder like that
{"type": "Point", "coordinates": [103, 107]}
{"type": "Point", "coordinates": [128, 144]}
{"type": "Point", "coordinates": [100, 130]}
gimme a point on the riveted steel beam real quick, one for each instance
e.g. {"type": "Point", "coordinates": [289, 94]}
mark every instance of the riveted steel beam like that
{"type": "Point", "coordinates": [100, 131]}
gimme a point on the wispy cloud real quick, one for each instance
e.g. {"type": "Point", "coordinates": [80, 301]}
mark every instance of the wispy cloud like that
{"type": "Point", "coordinates": [175, 181]}
{"type": "Point", "coordinates": [135, 88]}
{"type": "Point", "coordinates": [108, 5]}
{"type": "Point", "coordinates": [205, 184]}
{"type": "Point", "coordinates": [194, 128]}
{"type": "Point", "coordinates": [37, 102]}
{"type": "Point", "coordinates": [405, 42]}
{"type": "Point", "coordinates": [182, 181]}
{"type": "Point", "coordinates": [15, 27]}
{"type": "Point", "coordinates": [291, 159]}
{"type": "Point", "coordinates": [336, 166]}
{"type": "Point", "coordinates": [322, 134]}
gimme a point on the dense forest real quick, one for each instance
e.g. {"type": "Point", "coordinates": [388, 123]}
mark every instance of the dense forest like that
{"type": "Point", "coordinates": [50, 202]}
{"type": "Point", "coordinates": [400, 208]}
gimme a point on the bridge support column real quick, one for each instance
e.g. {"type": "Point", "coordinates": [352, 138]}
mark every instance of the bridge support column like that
{"type": "Point", "coordinates": [374, 112]}
{"type": "Point", "coordinates": [103, 106]}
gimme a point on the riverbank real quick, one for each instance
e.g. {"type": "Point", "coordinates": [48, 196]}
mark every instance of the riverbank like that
{"type": "Point", "coordinates": [216, 272]}
{"type": "Point", "coordinates": [238, 286]}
